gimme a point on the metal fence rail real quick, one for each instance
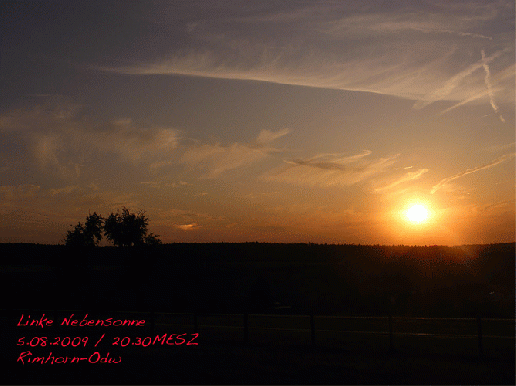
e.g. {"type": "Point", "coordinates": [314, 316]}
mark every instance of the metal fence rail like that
{"type": "Point", "coordinates": [391, 326]}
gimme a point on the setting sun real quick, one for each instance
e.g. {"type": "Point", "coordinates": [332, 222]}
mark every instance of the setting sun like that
{"type": "Point", "coordinates": [338, 140]}
{"type": "Point", "coordinates": [417, 214]}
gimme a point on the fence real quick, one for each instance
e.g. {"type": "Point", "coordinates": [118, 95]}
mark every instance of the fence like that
{"type": "Point", "coordinates": [318, 329]}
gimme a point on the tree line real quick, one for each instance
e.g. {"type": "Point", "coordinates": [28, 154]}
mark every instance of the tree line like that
{"type": "Point", "coordinates": [124, 229]}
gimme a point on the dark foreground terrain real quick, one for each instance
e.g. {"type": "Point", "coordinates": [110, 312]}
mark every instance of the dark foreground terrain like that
{"type": "Point", "coordinates": [230, 280]}
{"type": "Point", "coordinates": [266, 365]}
{"type": "Point", "coordinates": [264, 360]}
{"type": "Point", "coordinates": [236, 364]}
{"type": "Point", "coordinates": [303, 278]}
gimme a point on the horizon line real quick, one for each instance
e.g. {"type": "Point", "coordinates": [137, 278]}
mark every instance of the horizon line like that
{"type": "Point", "coordinates": [309, 243]}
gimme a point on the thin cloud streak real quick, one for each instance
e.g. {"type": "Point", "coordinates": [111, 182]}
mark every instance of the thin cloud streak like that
{"type": "Point", "coordinates": [331, 161]}
{"type": "Point", "coordinates": [488, 85]}
{"type": "Point", "coordinates": [217, 159]}
{"type": "Point", "coordinates": [454, 82]}
{"type": "Point", "coordinates": [334, 170]}
{"type": "Point", "coordinates": [500, 78]}
{"type": "Point", "coordinates": [407, 177]}
{"type": "Point", "coordinates": [442, 183]}
{"type": "Point", "coordinates": [402, 53]}
{"type": "Point", "coordinates": [498, 205]}
{"type": "Point", "coordinates": [267, 136]}
{"type": "Point", "coordinates": [479, 95]}
{"type": "Point", "coordinates": [188, 227]}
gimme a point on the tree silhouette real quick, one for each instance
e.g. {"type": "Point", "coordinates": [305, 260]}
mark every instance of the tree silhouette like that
{"type": "Point", "coordinates": [128, 229]}
{"type": "Point", "coordinates": [87, 235]}
{"type": "Point", "coordinates": [152, 239]}
{"type": "Point", "coordinates": [124, 229]}
{"type": "Point", "coordinates": [93, 228]}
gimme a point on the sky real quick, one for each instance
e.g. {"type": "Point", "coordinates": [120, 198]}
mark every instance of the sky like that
{"type": "Point", "coordinates": [268, 121]}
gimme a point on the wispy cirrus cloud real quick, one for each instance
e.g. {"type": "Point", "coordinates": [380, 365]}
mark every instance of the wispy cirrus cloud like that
{"type": "Point", "coordinates": [410, 176]}
{"type": "Point", "coordinates": [500, 205]}
{"type": "Point", "coordinates": [499, 160]}
{"type": "Point", "coordinates": [60, 142]}
{"type": "Point", "coordinates": [502, 77]}
{"type": "Point", "coordinates": [422, 53]}
{"type": "Point", "coordinates": [46, 150]}
{"type": "Point", "coordinates": [330, 161]}
{"type": "Point", "coordinates": [138, 145]}
{"type": "Point", "coordinates": [161, 183]}
{"type": "Point", "coordinates": [267, 136]}
{"type": "Point", "coordinates": [330, 170]}
{"type": "Point", "coordinates": [217, 159]}
{"type": "Point", "coordinates": [451, 84]}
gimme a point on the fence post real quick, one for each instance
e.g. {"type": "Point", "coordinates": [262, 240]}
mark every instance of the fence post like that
{"type": "Point", "coordinates": [480, 348]}
{"type": "Point", "coordinates": [152, 323]}
{"type": "Point", "coordinates": [391, 345]}
{"type": "Point", "coordinates": [246, 328]}
{"type": "Point", "coordinates": [312, 330]}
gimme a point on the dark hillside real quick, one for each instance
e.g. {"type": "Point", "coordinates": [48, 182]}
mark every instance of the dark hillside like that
{"type": "Point", "coordinates": [297, 278]}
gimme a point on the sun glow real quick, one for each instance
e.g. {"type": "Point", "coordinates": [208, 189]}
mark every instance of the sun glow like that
{"type": "Point", "coordinates": [417, 214]}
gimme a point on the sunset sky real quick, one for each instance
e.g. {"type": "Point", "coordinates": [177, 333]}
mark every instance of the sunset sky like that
{"type": "Point", "coordinates": [270, 121]}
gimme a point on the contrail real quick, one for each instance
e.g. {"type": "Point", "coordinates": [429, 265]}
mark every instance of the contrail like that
{"type": "Point", "coordinates": [452, 83]}
{"type": "Point", "coordinates": [488, 85]}
{"type": "Point", "coordinates": [501, 77]}
{"type": "Point", "coordinates": [497, 161]}
{"type": "Point", "coordinates": [476, 96]}
{"type": "Point", "coordinates": [408, 177]}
